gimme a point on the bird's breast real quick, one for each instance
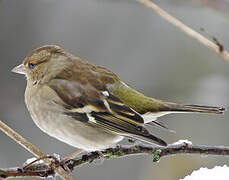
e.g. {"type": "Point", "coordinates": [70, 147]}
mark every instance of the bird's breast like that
{"type": "Point", "coordinates": [49, 117]}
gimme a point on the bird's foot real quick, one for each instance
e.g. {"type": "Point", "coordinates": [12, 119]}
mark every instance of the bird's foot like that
{"type": "Point", "coordinates": [67, 158]}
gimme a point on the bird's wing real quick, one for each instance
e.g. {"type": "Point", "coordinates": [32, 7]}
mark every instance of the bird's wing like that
{"type": "Point", "coordinates": [101, 109]}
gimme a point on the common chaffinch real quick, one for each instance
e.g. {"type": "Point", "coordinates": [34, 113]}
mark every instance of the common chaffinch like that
{"type": "Point", "coordinates": [88, 106]}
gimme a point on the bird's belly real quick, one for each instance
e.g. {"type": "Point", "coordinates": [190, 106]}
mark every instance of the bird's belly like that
{"type": "Point", "coordinates": [71, 131]}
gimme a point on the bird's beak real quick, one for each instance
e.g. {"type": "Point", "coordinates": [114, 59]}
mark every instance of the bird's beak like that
{"type": "Point", "coordinates": [20, 69]}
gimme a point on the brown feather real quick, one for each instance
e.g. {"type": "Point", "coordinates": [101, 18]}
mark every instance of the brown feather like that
{"type": "Point", "coordinates": [121, 120]}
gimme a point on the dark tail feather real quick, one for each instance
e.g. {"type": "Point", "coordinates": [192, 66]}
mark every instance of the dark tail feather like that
{"type": "Point", "coordinates": [195, 108]}
{"type": "Point", "coordinates": [151, 139]}
{"type": "Point", "coordinates": [160, 125]}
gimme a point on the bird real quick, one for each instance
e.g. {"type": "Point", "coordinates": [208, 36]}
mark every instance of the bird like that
{"type": "Point", "coordinates": [88, 106]}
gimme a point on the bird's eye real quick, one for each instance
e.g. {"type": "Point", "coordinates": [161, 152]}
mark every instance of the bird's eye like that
{"type": "Point", "coordinates": [32, 65]}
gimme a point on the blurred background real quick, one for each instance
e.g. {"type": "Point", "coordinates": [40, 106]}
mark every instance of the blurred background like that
{"type": "Point", "coordinates": [144, 50]}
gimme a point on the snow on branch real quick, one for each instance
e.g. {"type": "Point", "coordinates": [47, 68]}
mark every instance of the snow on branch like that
{"type": "Point", "coordinates": [156, 152]}
{"type": "Point", "coordinates": [31, 148]}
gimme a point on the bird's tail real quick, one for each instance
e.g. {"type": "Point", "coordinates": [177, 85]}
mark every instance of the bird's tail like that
{"type": "Point", "coordinates": [193, 108]}
{"type": "Point", "coordinates": [164, 108]}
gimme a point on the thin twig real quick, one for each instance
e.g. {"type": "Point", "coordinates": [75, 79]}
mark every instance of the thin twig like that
{"type": "Point", "coordinates": [33, 149]}
{"type": "Point", "coordinates": [42, 170]}
{"type": "Point", "coordinates": [214, 46]}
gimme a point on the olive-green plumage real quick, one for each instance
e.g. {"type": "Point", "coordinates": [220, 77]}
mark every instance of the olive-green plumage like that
{"type": "Point", "coordinates": [143, 104]}
{"type": "Point", "coordinates": [134, 99]}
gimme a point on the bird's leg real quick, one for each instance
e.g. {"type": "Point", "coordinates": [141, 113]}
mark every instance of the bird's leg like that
{"type": "Point", "coordinates": [69, 157]}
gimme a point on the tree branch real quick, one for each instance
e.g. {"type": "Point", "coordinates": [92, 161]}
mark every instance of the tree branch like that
{"type": "Point", "coordinates": [217, 47]}
{"type": "Point", "coordinates": [42, 170]}
{"type": "Point", "coordinates": [33, 149]}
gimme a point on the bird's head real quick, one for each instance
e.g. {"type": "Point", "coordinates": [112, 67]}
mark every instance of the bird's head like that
{"type": "Point", "coordinates": [43, 63]}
